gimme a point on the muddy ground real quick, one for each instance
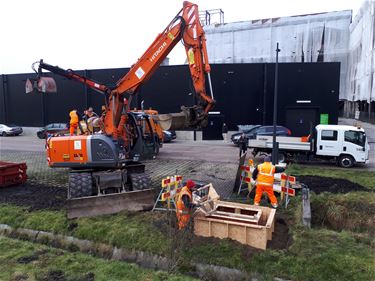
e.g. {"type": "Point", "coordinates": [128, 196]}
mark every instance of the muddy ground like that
{"type": "Point", "coordinates": [332, 185]}
{"type": "Point", "coordinates": [34, 196]}
{"type": "Point", "coordinates": [39, 197]}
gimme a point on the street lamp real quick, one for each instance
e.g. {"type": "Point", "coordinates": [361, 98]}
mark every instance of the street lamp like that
{"type": "Point", "coordinates": [275, 145]}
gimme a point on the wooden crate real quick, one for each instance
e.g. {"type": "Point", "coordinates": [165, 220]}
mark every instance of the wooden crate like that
{"type": "Point", "coordinates": [247, 224]}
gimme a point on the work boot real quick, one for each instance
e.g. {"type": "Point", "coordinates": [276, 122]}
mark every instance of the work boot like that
{"type": "Point", "coordinates": [274, 206]}
{"type": "Point", "coordinates": [256, 204]}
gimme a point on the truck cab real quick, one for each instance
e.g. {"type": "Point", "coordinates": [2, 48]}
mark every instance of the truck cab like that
{"type": "Point", "coordinates": [348, 144]}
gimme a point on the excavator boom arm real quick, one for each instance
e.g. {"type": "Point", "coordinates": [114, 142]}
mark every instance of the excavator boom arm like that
{"type": "Point", "coordinates": [184, 27]}
{"type": "Point", "coordinates": [70, 74]}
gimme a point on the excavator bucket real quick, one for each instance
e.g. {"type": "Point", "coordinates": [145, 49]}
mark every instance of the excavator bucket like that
{"type": "Point", "coordinates": [188, 118]}
{"type": "Point", "coordinates": [42, 85]}
{"type": "Point", "coordinates": [172, 121]}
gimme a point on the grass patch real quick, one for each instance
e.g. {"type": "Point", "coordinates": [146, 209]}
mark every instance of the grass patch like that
{"type": "Point", "coordinates": [352, 211]}
{"type": "Point", "coordinates": [20, 217]}
{"type": "Point", "coordinates": [20, 260]}
{"type": "Point", "coordinates": [365, 178]}
{"type": "Point", "coordinates": [317, 254]}
{"type": "Point", "coordinates": [128, 230]}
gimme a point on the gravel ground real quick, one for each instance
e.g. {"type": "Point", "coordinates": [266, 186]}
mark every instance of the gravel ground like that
{"type": "Point", "coordinates": [221, 175]}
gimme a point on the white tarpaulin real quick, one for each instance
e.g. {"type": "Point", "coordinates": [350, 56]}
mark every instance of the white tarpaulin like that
{"type": "Point", "coordinates": [308, 38]}
{"type": "Point", "coordinates": [361, 55]}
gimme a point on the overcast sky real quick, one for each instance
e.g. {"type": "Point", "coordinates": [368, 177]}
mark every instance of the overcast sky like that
{"type": "Point", "coordinates": [92, 34]}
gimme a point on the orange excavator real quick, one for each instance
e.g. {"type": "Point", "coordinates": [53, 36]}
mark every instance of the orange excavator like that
{"type": "Point", "coordinates": [105, 176]}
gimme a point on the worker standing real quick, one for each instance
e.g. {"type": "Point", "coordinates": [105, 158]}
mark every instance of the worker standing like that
{"type": "Point", "coordinates": [264, 177]}
{"type": "Point", "coordinates": [224, 132]}
{"type": "Point", "coordinates": [242, 143]}
{"type": "Point", "coordinates": [74, 120]}
{"type": "Point", "coordinates": [88, 117]}
{"type": "Point", "coordinates": [184, 204]}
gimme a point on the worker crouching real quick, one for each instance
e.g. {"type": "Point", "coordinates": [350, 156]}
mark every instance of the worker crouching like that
{"type": "Point", "coordinates": [264, 177]}
{"type": "Point", "coordinates": [184, 204]}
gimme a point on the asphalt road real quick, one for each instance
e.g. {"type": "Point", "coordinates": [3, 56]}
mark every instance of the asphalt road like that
{"type": "Point", "coordinates": [211, 151]}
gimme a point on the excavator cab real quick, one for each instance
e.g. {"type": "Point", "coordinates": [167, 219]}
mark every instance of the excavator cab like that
{"type": "Point", "coordinates": [146, 143]}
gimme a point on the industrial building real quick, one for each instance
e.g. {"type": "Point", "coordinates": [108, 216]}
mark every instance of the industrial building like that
{"type": "Point", "coordinates": [326, 64]}
{"type": "Point", "coordinates": [323, 37]}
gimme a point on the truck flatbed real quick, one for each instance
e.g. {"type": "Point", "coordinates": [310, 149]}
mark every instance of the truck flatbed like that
{"type": "Point", "coordinates": [285, 143]}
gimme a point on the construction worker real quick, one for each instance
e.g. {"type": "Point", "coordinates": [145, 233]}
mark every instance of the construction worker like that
{"type": "Point", "coordinates": [89, 113]}
{"type": "Point", "coordinates": [224, 132]}
{"type": "Point", "coordinates": [264, 177]}
{"type": "Point", "coordinates": [242, 143]}
{"type": "Point", "coordinates": [89, 116]}
{"type": "Point", "coordinates": [184, 204]}
{"type": "Point", "coordinates": [74, 121]}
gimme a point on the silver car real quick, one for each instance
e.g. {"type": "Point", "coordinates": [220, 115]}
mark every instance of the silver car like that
{"type": "Point", "coordinates": [10, 130]}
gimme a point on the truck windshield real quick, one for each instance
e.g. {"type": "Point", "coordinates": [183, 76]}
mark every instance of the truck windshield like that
{"type": "Point", "coordinates": [356, 137]}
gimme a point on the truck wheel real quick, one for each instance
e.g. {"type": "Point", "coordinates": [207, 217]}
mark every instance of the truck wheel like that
{"type": "Point", "coordinates": [40, 135]}
{"type": "Point", "coordinates": [156, 146]}
{"type": "Point", "coordinates": [140, 181]}
{"type": "Point", "coordinates": [282, 157]}
{"type": "Point", "coordinates": [346, 161]}
{"type": "Point", "coordinates": [80, 185]}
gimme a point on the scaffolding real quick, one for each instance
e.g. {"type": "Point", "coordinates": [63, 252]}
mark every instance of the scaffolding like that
{"type": "Point", "coordinates": [207, 16]}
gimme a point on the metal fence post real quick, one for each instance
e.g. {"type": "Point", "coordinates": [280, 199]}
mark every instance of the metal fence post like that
{"type": "Point", "coordinates": [306, 208]}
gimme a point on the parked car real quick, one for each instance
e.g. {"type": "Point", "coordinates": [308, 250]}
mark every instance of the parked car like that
{"type": "Point", "coordinates": [259, 130]}
{"type": "Point", "coordinates": [168, 136]}
{"type": "Point", "coordinates": [10, 130]}
{"type": "Point", "coordinates": [52, 128]}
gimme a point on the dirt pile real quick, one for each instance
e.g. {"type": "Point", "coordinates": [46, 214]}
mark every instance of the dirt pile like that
{"type": "Point", "coordinates": [34, 196]}
{"type": "Point", "coordinates": [332, 185]}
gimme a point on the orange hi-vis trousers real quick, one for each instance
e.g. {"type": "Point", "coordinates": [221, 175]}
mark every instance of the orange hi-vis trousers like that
{"type": "Point", "coordinates": [72, 128]}
{"type": "Point", "coordinates": [183, 218]}
{"type": "Point", "coordinates": [264, 188]}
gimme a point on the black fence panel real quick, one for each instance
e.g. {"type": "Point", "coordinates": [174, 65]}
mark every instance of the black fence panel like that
{"type": "Point", "coordinates": [303, 88]}
{"type": "Point", "coordinates": [21, 108]}
{"type": "Point", "coordinates": [168, 89]}
{"type": "Point", "coordinates": [70, 95]}
{"type": "Point", "coordinates": [2, 99]}
{"type": "Point", "coordinates": [238, 90]}
{"type": "Point", "coordinates": [244, 94]}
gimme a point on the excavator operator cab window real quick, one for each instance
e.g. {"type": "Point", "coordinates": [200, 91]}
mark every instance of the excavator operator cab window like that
{"type": "Point", "coordinates": [144, 124]}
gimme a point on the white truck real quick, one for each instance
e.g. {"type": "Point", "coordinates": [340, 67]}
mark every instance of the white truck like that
{"type": "Point", "coordinates": [347, 145]}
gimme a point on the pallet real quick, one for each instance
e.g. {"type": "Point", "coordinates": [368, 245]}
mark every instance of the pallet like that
{"type": "Point", "coordinates": [12, 173]}
{"type": "Point", "coordinates": [247, 224]}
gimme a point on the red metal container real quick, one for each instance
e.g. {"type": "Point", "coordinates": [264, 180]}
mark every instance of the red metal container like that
{"type": "Point", "coordinates": [12, 173]}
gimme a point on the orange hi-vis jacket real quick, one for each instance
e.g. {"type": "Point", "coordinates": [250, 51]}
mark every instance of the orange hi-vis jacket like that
{"type": "Point", "coordinates": [73, 117]}
{"type": "Point", "coordinates": [266, 172]}
{"type": "Point", "coordinates": [183, 212]}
